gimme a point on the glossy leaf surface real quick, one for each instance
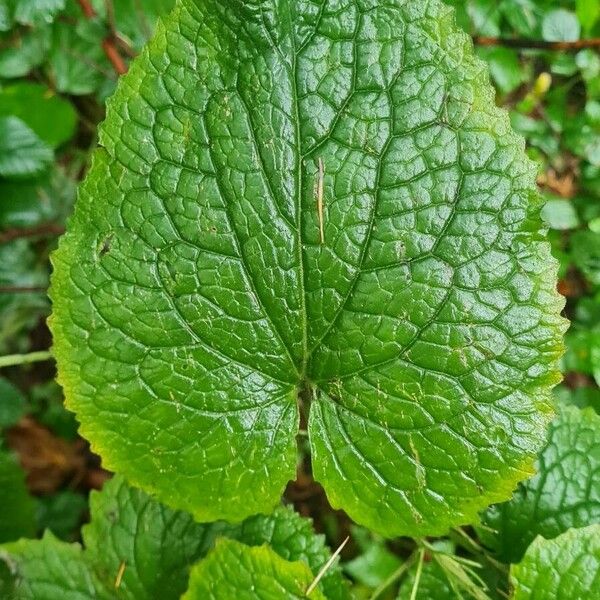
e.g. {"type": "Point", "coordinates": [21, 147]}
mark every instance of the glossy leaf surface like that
{"type": "Point", "coordinates": [233, 570]}
{"type": "Point", "coordinates": [565, 567]}
{"type": "Point", "coordinates": [302, 203]}
{"type": "Point", "coordinates": [293, 538]}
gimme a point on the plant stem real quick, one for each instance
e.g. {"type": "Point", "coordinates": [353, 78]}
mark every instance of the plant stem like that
{"type": "Point", "coordinates": [522, 44]}
{"type": "Point", "coordinates": [47, 229]}
{"type": "Point", "coordinates": [108, 44]}
{"type": "Point", "coordinates": [395, 576]}
{"type": "Point", "coordinates": [23, 359]}
{"type": "Point", "coordinates": [415, 588]}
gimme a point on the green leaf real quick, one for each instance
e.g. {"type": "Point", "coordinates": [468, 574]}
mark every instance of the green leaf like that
{"type": "Point", "coordinates": [20, 268]}
{"type": "Point", "coordinates": [156, 544]}
{"type": "Point", "coordinates": [23, 52]}
{"type": "Point", "coordinates": [505, 68]}
{"type": "Point", "coordinates": [62, 513]}
{"type": "Point", "coordinates": [45, 200]}
{"type": "Point", "coordinates": [566, 567]}
{"type": "Point", "coordinates": [373, 566]}
{"type": "Point", "coordinates": [77, 63]}
{"type": "Point", "coordinates": [233, 570]}
{"type": "Point", "coordinates": [522, 15]}
{"type": "Point", "coordinates": [196, 305]}
{"type": "Point", "coordinates": [560, 214]}
{"type": "Point", "coordinates": [34, 12]}
{"type": "Point", "coordinates": [17, 513]}
{"type": "Point", "coordinates": [12, 404]}
{"type": "Point", "coordinates": [52, 118]}
{"type": "Point", "coordinates": [432, 584]}
{"type": "Point", "coordinates": [562, 494]}
{"type": "Point", "coordinates": [22, 152]}
{"type": "Point", "coordinates": [136, 19]}
{"type": "Point", "coordinates": [560, 26]}
{"type": "Point", "coordinates": [585, 250]}
{"type": "Point", "coordinates": [49, 569]}
{"type": "Point", "coordinates": [588, 13]}
{"type": "Point", "coordinates": [148, 548]}
{"type": "Point", "coordinates": [293, 538]}
{"type": "Point", "coordinates": [581, 397]}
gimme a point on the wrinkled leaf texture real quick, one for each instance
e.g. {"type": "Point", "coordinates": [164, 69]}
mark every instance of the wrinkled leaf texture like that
{"type": "Point", "coordinates": [198, 311]}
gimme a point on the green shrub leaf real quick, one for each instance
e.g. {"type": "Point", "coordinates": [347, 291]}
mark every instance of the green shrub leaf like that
{"type": "Point", "coordinates": [233, 570]}
{"type": "Point", "coordinates": [293, 538]}
{"type": "Point", "coordinates": [562, 494]}
{"type": "Point", "coordinates": [300, 205]}
{"type": "Point", "coordinates": [22, 152]}
{"type": "Point", "coordinates": [133, 544]}
{"type": "Point", "coordinates": [33, 12]}
{"type": "Point", "coordinates": [155, 544]}
{"type": "Point", "coordinates": [51, 117]}
{"type": "Point", "coordinates": [143, 549]}
{"type": "Point", "coordinates": [17, 513]}
{"type": "Point", "coordinates": [565, 567]}
{"type": "Point", "coordinates": [49, 569]}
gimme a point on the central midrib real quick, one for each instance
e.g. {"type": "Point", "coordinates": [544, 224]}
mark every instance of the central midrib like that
{"type": "Point", "coordinates": [298, 189]}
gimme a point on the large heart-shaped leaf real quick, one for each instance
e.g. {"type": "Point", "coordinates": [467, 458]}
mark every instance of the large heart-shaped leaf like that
{"type": "Point", "coordinates": [310, 208]}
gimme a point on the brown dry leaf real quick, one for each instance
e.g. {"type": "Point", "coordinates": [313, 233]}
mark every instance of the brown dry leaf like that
{"type": "Point", "coordinates": [49, 461]}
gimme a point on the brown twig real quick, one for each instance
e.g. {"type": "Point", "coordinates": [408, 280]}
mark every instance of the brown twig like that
{"type": "Point", "coordinates": [523, 44]}
{"type": "Point", "coordinates": [108, 44]}
{"type": "Point", "coordinates": [45, 230]}
{"type": "Point", "coordinates": [87, 8]}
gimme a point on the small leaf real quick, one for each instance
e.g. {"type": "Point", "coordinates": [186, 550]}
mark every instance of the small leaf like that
{"type": "Point", "coordinates": [233, 570]}
{"type": "Point", "coordinates": [316, 210]}
{"type": "Point", "coordinates": [20, 268]}
{"type": "Point", "coordinates": [49, 569]}
{"type": "Point", "coordinates": [562, 494]}
{"type": "Point", "coordinates": [560, 26]}
{"type": "Point", "coordinates": [47, 199]}
{"type": "Point", "coordinates": [77, 63]}
{"type": "Point", "coordinates": [12, 404]}
{"type": "Point", "coordinates": [34, 12]}
{"type": "Point", "coordinates": [585, 250]}
{"type": "Point", "coordinates": [17, 507]}
{"type": "Point", "coordinates": [373, 566]}
{"type": "Point", "coordinates": [22, 152]}
{"type": "Point", "coordinates": [293, 538]}
{"type": "Point", "coordinates": [565, 567]}
{"type": "Point", "coordinates": [560, 214]}
{"type": "Point", "coordinates": [19, 54]}
{"type": "Point", "coordinates": [432, 584]}
{"type": "Point", "coordinates": [136, 19]}
{"type": "Point", "coordinates": [505, 68]}
{"type": "Point", "coordinates": [51, 117]}
{"type": "Point", "coordinates": [155, 544]}
{"type": "Point", "coordinates": [62, 513]}
{"type": "Point", "coordinates": [588, 13]}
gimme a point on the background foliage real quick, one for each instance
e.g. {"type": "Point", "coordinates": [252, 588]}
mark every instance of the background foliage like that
{"type": "Point", "coordinates": [60, 60]}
